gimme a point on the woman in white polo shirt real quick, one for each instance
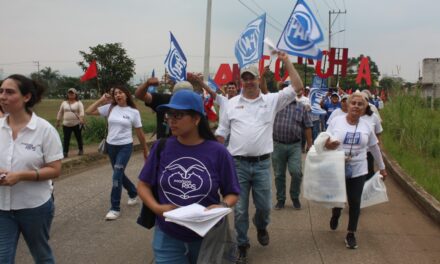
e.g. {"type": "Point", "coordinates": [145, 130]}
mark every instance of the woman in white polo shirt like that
{"type": "Point", "coordinates": [30, 156]}
{"type": "Point", "coordinates": [122, 116]}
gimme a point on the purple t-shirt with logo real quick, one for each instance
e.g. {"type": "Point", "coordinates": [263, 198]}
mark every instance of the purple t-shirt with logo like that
{"type": "Point", "coordinates": [187, 175]}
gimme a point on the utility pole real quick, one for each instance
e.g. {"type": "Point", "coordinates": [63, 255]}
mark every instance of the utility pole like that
{"type": "Point", "coordinates": [330, 33]}
{"type": "Point", "coordinates": [207, 41]}
{"type": "Point", "coordinates": [330, 24]}
{"type": "Point", "coordinates": [38, 68]}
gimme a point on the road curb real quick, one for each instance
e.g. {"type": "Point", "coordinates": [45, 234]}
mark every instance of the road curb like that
{"type": "Point", "coordinates": [423, 200]}
{"type": "Point", "coordinates": [80, 163]}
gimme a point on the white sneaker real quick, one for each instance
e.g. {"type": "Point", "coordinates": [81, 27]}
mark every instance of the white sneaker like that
{"type": "Point", "coordinates": [132, 201]}
{"type": "Point", "coordinates": [112, 215]}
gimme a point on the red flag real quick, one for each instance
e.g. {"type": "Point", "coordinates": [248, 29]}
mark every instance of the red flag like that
{"type": "Point", "coordinates": [91, 72]}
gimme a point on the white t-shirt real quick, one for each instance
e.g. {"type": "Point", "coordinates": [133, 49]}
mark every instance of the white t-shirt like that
{"type": "Point", "coordinates": [364, 137]}
{"type": "Point", "coordinates": [120, 123]}
{"type": "Point", "coordinates": [374, 122]}
{"type": "Point", "coordinates": [335, 113]}
{"type": "Point", "coordinates": [36, 145]}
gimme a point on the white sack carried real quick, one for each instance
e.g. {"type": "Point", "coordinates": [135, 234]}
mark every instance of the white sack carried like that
{"type": "Point", "coordinates": [324, 178]}
{"type": "Point", "coordinates": [374, 191]}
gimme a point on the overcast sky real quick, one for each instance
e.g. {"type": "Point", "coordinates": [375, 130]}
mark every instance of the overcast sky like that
{"type": "Point", "coordinates": [396, 34]}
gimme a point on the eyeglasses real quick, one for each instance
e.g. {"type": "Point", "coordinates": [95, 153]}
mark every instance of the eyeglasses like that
{"type": "Point", "coordinates": [176, 115]}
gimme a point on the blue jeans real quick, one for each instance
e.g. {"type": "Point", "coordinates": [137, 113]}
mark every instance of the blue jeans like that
{"type": "Point", "coordinates": [119, 157]}
{"type": "Point", "coordinates": [255, 176]}
{"type": "Point", "coordinates": [287, 155]}
{"type": "Point", "coordinates": [170, 250]}
{"type": "Point", "coordinates": [34, 224]}
{"type": "Point", "coordinates": [316, 129]}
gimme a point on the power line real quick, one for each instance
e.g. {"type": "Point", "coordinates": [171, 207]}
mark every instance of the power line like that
{"type": "Point", "coordinates": [329, 7]}
{"type": "Point", "coordinates": [319, 15]}
{"type": "Point", "coordinates": [250, 9]}
{"type": "Point", "coordinates": [278, 22]}
{"type": "Point", "coordinates": [336, 4]}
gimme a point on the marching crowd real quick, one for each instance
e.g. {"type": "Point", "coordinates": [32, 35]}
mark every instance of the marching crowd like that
{"type": "Point", "coordinates": [256, 131]}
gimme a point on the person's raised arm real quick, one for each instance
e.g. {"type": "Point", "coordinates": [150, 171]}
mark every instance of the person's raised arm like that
{"type": "Point", "coordinates": [93, 108]}
{"type": "Point", "coordinates": [295, 80]}
{"type": "Point", "coordinates": [142, 93]}
{"type": "Point", "coordinates": [198, 79]}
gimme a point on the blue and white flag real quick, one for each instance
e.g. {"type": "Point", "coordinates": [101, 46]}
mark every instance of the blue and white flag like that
{"type": "Point", "coordinates": [315, 96]}
{"type": "Point", "coordinates": [302, 33]}
{"type": "Point", "coordinates": [249, 47]}
{"type": "Point", "coordinates": [175, 62]}
{"type": "Point", "coordinates": [319, 82]}
{"type": "Point", "coordinates": [212, 85]}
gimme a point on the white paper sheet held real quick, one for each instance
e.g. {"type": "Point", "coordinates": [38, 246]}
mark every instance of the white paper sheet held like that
{"type": "Point", "coordinates": [196, 218]}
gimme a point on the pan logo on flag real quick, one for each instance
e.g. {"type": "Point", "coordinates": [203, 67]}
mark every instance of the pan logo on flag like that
{"type": "Point", "coordinates": [249, 47]}
{"type": "Point", "coordinates": [316, 95]}
{"type": "Point", "coordinates": [299, 32]}
{"type": "Point", "coordinates": [176, 64]}
{"type": "Point", "coordinates": [302, 33]}
{"type": "Point", "coordinates": [248, 44]}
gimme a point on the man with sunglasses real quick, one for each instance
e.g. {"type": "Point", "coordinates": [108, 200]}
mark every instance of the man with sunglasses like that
{"type": "Point", "coordinates": [249, 119]}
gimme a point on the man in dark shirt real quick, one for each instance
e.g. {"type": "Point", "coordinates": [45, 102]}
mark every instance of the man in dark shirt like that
{"type": "Point", "coordinates": [153, 100]}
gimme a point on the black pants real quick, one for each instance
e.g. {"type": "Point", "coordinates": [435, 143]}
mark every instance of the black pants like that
{"type": "Point", "coordinates": [370, 162]}
{"type": "Point", "coordinates": [354, 188]}
{"type": "Point", "coordinates": [67, 131]}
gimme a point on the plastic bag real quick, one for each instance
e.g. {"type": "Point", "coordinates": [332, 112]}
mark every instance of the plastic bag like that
{"type": "Point", "coordinates": [375, 191]}
{"type": "Point", "coordinates": [219, 245]}
{"type": "Point", "coordinates": [102, 147]}
{"type": "Point", "coordinates": [324, 177]}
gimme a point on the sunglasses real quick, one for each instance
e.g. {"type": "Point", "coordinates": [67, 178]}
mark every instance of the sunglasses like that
{"type": "Point", "coordinates": [176, 115]}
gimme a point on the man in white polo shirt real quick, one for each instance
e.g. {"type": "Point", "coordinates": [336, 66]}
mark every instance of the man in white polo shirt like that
{"type": "Point", "coordinates": [248, 119]}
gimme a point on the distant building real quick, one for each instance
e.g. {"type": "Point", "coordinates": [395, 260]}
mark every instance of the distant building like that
{"type": "Point", "coordinates": [431, 78]}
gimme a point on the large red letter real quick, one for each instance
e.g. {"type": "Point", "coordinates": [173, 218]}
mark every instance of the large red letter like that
{"type": "Point", "coordinates": [224, 74]}
{"type": "Point", "coordinates": [343, 62]}
{"type": "Point", "coordinates": [329, 71]}
{"type": "Point", "coordinates": [261, 64]}
{"type": "Point", "coordinates": [309, 61]}
{"type": "Point", "coordinates": [277, 72]}
{"type": "Point", "coordinates": [364, 72]}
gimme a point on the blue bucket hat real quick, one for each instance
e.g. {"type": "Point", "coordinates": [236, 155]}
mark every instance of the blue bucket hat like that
{"type": "Point", "coordinates": [184, 100]}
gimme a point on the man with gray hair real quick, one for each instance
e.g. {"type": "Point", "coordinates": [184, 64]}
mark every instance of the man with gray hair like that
{"type": "Point", "coordinates": [248, 119]}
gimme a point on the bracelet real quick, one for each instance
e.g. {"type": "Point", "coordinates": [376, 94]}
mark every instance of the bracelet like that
{"type": "Point", "coordinates": [224, 204]}
{"type": "Point", "coordinates": [38, 175]}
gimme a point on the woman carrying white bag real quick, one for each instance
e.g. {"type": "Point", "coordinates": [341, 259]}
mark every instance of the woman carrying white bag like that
{"type": "Point", "coordinates": [354, 136]}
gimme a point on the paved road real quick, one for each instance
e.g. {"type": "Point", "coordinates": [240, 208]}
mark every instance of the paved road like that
{"type": "Point", "coordinates": [395, 232]}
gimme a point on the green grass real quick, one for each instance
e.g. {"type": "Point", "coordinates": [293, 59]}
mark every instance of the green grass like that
{"type": "Point", "coordinates": [412, 136]}
{"type": "Point", "coordinates": [95, 131]}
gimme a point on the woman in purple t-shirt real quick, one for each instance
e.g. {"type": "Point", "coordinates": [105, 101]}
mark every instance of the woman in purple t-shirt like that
{"type": "Point", "coordinates": [193, 168]}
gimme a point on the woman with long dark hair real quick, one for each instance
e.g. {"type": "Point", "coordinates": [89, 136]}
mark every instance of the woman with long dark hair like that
{"type": "Point", "coordinates": [122, 115]}
{"type": "Point", "coordinates": [192, 168]}
{"type": "Point", "coordinates": [30, 157]}
{"type": "Point", "coordinates": [72, 114]}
